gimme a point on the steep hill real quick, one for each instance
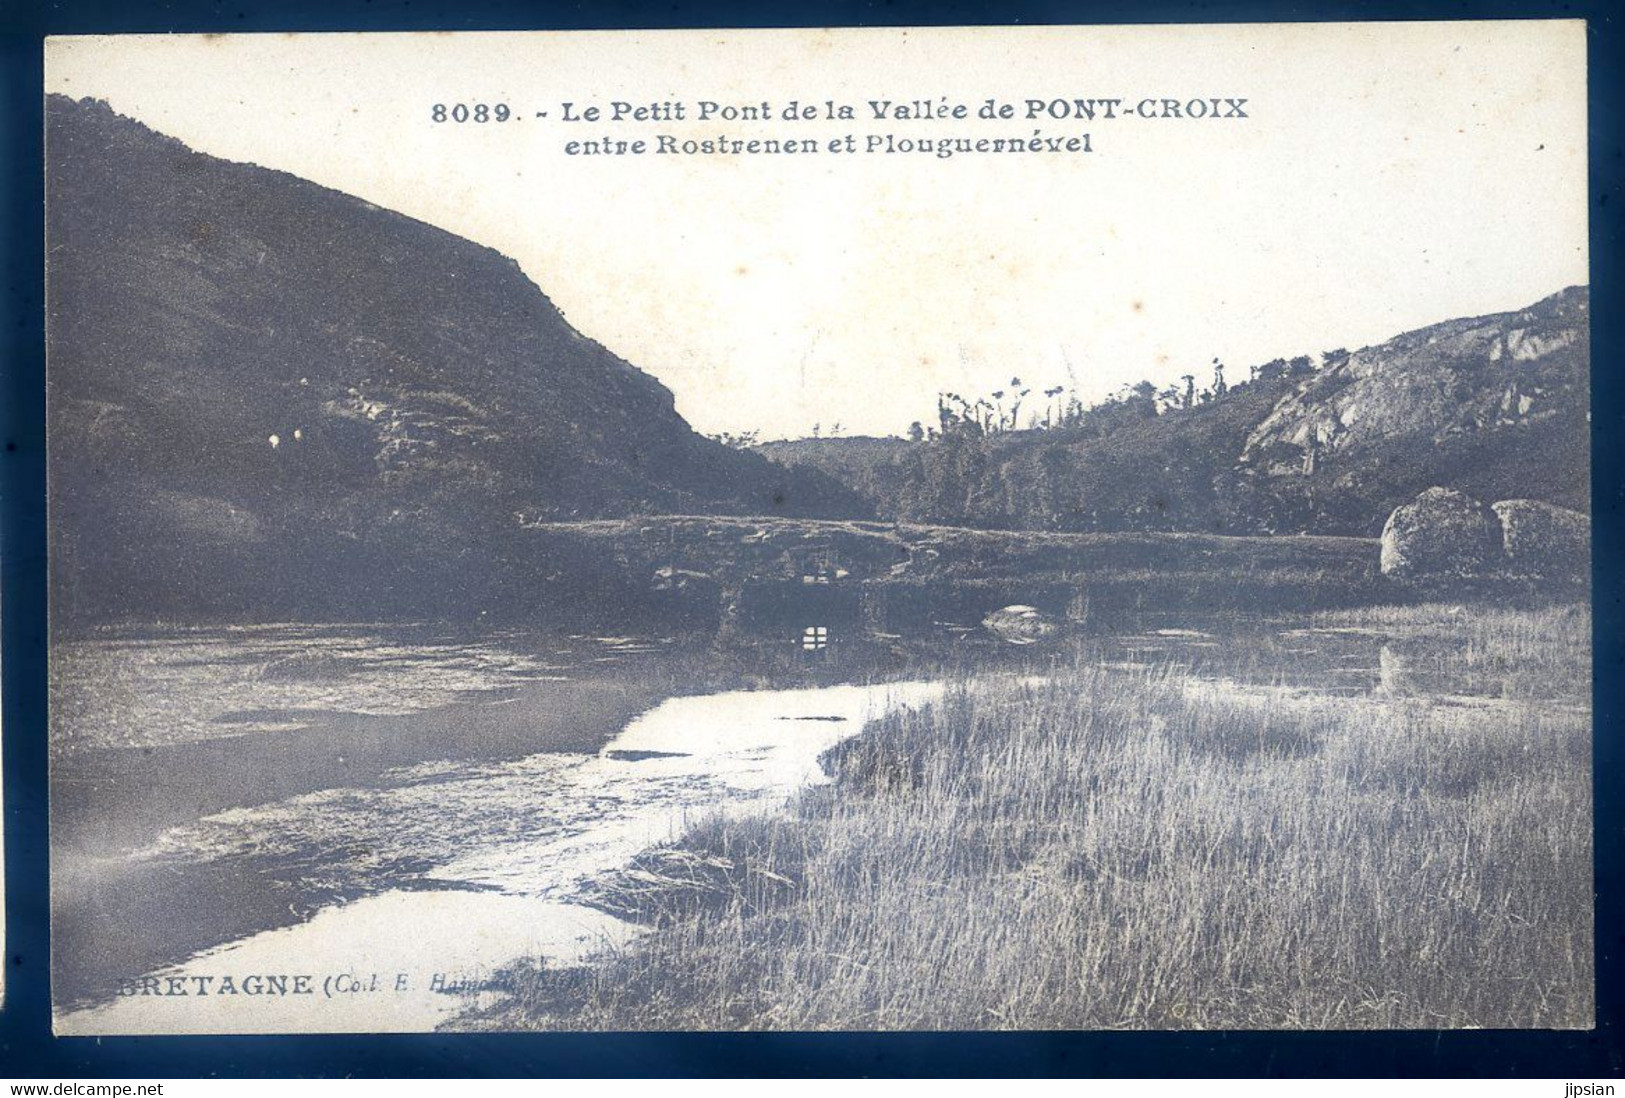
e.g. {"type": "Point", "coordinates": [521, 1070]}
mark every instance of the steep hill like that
{"type": "Point", "coordinates": [1497, 406]}
{"type": "Point", "coordinates": [267, 396]}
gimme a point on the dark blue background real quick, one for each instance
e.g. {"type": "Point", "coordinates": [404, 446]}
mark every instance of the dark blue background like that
{"type": "Point", "coordinates": [27, 1048]}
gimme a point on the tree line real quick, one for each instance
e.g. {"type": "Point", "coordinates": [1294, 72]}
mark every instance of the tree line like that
{"type": "Point", "coordinates": [1059, 408]}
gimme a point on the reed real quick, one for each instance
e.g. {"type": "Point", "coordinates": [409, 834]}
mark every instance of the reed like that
{"type": "Point", "coordinates": [1136, 849]}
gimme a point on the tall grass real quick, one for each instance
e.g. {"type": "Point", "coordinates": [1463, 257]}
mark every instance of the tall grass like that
{"type": "Point", "coordinates": [1543, 641]}
{"type": "Point", "coordinates": [1127, 849]}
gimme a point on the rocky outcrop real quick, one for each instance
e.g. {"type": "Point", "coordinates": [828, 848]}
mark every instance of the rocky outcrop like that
{"type": "Point", "coordinates": [1446, 540]}
{"type": "Point", "coordinates": [1475, 376]}
{"type": "Point", "coordinates": [1497, 406]}
{"type": "Point", "coordinates": [1543, 541]}
{"type": "Point", "coordinates": [1441, 536]}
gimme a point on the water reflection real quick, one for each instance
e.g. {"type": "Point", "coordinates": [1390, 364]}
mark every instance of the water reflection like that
{"type": "Point", "coordinates": [231, 793]}
{"type": "Point", "coordinates": [522, 836]}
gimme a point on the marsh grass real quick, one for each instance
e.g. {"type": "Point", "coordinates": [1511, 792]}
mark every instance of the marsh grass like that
{"type": "Point", "coordinates": [1116, 849]}
{"type": "Point", "coordinates": [1547, 645]}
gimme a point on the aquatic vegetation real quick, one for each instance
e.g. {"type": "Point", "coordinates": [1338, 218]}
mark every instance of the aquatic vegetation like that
{"type": "Point", "coordinates": [1138, 848]}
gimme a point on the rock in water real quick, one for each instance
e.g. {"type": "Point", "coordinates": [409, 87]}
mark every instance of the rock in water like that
{"type": "Point", "coordinates": [1021, 624]}
{"type": "Point", "coordinates": [1544, 542]}
{"type": "Point", "coordinates": [1440, 536]}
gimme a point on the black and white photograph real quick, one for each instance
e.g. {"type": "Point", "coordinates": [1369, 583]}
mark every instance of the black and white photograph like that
{"type": "Point", "coordinates": [1001, 528]}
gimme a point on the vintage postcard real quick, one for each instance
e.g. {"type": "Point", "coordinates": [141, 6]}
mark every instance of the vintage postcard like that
{"type": "Point", "coordinates": [957, 528]}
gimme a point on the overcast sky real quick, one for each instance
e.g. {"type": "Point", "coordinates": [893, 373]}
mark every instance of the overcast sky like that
{"type": "Point", "coordinates": [1386, 176]}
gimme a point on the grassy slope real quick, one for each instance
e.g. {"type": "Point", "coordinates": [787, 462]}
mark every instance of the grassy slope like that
{"type": "Point", "coordinates": [421, 389]}
{"type": "Point", "coordinates": [1142, 850]}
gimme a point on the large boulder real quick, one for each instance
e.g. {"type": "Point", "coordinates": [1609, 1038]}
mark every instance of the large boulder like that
{"type": "Point", "coordinates": [1439, 537]}
{"type": "Point", "coordinates": [1544, 542]}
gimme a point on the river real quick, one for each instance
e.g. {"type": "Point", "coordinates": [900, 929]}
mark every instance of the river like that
{"type": "Point", "coordinates": [356, 828]}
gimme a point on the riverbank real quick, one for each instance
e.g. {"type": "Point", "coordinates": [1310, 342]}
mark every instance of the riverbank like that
{"type": "Point", "coordinates": [1141, 848]}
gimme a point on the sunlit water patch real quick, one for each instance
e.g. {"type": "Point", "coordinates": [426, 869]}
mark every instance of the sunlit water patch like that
{"type": "Point", "coordinates": [451, 871]}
